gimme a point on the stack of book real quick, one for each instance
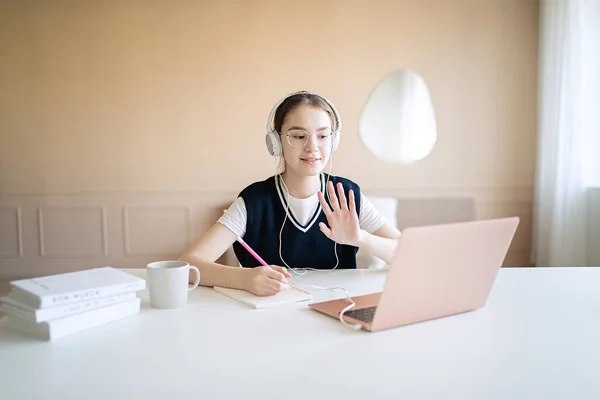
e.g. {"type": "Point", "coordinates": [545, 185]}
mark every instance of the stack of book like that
{"type": "Point", "coordinates": [55, 306]}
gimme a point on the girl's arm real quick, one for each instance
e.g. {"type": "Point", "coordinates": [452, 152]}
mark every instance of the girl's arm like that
{"type": "Point", "coordinates": [382, 243]}
{"type": "Point", "coordinates": [261, 281]}
{"type": "Point", "coordinates": [206, 251]}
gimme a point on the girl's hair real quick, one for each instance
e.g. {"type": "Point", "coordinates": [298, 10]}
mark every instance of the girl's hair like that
{"type": "Point", "coordinates": [298, 99]}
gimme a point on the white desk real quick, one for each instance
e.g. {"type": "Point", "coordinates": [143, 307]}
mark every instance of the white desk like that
{"type": "Point", "coordinates": [537, 338]}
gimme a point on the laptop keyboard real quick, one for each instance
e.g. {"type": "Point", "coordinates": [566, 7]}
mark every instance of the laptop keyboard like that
{"type": "Point", "coordinates": [362, 314]}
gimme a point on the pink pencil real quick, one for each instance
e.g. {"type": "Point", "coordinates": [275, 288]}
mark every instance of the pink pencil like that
{"type": "Point", "coordinates": [252, 252]}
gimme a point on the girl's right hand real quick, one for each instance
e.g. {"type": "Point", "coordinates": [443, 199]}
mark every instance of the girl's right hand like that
{"type": "Point", "coordinates": [266, 281]}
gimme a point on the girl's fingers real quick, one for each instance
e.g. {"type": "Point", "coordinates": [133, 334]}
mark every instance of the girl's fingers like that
{"type": "Point", "coordinates": [352, 202]}
{"type": "Point", "coordinates": [324, 205]}
{"type": "Point", "coordinates": [332, 197]}
{"type": "Point", "coordinates": [343, 202]}
{"type": "Point", "coordinates": [325, 229]}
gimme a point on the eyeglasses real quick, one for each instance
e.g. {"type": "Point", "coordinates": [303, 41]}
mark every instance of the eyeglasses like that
{"type": "Point", "coordinates": [299, 138]}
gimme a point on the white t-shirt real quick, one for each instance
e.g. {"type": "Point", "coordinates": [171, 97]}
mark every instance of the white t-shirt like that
{"type": "Point", "coordinates": [370, 219]}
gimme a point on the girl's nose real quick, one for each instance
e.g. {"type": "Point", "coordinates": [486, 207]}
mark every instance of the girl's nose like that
{"type": "Point", "coordinates": [311, 143]}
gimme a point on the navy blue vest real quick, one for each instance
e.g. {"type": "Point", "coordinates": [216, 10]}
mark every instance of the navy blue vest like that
{"type": "Point", "coordinates": [302, 246]}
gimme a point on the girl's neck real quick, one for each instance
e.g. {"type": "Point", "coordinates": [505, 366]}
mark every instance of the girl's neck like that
{"type": "Point", "coordinates": [301, 187]}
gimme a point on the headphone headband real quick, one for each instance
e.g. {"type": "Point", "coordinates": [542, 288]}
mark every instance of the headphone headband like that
{"type": "Point", "coordinates": [270, 122]}
{"type": "Point", "coordinates": [272, 138]}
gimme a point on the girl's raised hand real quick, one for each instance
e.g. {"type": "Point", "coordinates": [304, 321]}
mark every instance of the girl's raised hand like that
{"type": "Point", "coordinates": [344, 227]}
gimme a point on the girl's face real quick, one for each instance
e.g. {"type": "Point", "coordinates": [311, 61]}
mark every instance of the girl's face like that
{"type": "Point", "coordinates": [306, 140]}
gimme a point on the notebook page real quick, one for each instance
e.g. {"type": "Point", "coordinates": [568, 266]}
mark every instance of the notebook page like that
{"type": "Point", "coordinates": [294, 295]}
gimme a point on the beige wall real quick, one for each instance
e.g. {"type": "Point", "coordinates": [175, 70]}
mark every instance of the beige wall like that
{"type": "Point", "coordinates": [139, 121]}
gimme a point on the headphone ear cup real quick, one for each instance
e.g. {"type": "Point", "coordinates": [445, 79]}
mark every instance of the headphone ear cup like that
{"type": "Point", "coordinates": [274, 144]}
{"type": "Point", "coordinates": [336, 142]}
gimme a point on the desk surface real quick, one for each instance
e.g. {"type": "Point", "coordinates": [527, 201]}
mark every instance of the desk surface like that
{"type": "Point", "coordinates": [537, 338]}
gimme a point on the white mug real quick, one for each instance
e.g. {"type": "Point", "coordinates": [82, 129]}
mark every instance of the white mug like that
{"type": "Point", "coordinates": [168, 283]}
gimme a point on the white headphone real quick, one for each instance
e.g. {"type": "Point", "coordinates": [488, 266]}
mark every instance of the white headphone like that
{"type": "Point", "coordinates": [273, 138]}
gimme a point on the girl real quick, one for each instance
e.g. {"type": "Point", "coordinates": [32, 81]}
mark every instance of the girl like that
{"type": "Point", "coordinates": [300, 218]}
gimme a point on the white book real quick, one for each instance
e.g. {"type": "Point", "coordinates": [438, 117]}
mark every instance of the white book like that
{"type": "Point", "coordinates": [13, 307]}
{"type": "Point", "coordinates": [294, 295]}
{"type": "Point", "coordinates": [71, 287]}
{"type": "Point", "coordinates": [67, 326]}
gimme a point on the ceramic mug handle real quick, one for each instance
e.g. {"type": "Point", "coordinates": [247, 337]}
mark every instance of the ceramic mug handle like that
{"type": "Point", "coordinates": [197, 280]}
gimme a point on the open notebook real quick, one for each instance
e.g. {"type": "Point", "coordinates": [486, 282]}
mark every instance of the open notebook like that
{"type": "Point", "coordinates": [294, 295]}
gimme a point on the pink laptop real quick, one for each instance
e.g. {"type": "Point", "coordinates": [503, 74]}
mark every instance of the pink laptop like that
{"type": "Point", "coordinates": [437, 271]}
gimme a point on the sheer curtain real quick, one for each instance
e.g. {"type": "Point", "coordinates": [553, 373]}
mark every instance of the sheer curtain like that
{"type": "Point", "coordinates": [568, 113]}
